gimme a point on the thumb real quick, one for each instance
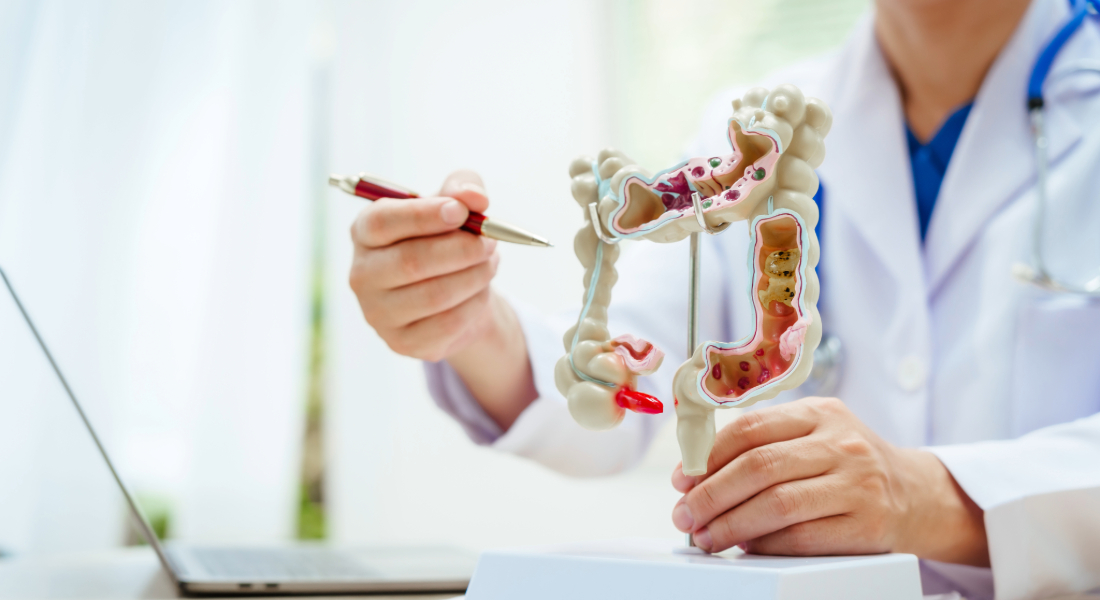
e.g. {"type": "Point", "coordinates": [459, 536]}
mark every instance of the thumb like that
{"type": "Point", "coordinates": [465, 186]}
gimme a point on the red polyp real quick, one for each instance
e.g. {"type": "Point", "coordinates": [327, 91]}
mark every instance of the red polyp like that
{"type": "Point", "coordinates": [717, 371]}
{"type": "Point", "coordinates": [638, 402]}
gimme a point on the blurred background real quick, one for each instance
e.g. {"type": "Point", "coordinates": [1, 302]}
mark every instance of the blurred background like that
{"type": "Point", "coordinates": [164, 214]}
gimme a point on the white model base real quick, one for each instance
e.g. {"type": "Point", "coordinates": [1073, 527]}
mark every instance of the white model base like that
{"type": "Point", "coordinates": [643, 569]}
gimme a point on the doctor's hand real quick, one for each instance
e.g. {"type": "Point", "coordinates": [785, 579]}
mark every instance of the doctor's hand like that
{"type": "Point", "coordinates": [424, 286]}
{"type": "Point", "coordinates": [809, 478]}
{"type": "Point", "coordinates": [422, 283]}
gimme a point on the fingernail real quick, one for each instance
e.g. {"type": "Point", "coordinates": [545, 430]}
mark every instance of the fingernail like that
{"type": "Point", "coordinates": [681, 517]}
{"type": "Point", "coordinates": [683, 483]}
{"type": "Point", "coordinates": [452, 212]}
{"type": "Point", "coordinates": [702, 539]}
{"type": "Point", "coordinates": [473, 187]}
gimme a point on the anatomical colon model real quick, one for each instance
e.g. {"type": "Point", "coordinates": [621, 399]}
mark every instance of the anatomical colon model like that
{"type": "Point", "coordinates": [777, 140]}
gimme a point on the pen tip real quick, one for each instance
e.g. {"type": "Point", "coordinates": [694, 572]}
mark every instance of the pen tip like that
{"type": "Point", "coordinates": [334, 180]}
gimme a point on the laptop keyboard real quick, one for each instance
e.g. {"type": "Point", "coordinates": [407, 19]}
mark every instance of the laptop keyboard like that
{"type": "Point", "coordinates": [277, 563]}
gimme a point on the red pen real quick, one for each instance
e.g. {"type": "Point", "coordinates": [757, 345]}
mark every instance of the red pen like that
{"type": "Point", "coordinates": [372, 188]}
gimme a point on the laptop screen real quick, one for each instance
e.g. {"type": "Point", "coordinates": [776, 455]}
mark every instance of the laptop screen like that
{"type": "Point", "coordinates": [34, 387]}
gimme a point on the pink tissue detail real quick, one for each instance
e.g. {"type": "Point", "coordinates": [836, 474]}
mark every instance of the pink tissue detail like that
{"type": "Point", "coordinates": [638, 355]}
{"type": "Point", "coordinates": [793, 338]}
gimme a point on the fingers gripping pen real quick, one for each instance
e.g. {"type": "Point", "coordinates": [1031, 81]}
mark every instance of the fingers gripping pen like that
{"type": "Point", "coordinates": [372, 188]}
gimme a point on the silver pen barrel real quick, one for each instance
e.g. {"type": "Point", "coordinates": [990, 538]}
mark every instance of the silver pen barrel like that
{"type": "Point", "coordinates": [510, 233]}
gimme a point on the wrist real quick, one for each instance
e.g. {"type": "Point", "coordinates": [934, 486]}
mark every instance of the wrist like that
{"type": "Point", "coordinates": [941, 522]}
{"type": "Point", "coordinates": [498, 332]}
{"type": "Point", "coordinates": [495, 366]}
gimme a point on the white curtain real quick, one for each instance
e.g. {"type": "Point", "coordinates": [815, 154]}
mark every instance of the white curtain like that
{"type": "Point", "coordinates": [155, 194]}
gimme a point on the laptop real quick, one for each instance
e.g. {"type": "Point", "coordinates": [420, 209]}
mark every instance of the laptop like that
{"type": "Point", "coordinates": [293, 569]}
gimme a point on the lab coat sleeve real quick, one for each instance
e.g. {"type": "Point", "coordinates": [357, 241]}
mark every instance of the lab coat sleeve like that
{"type": "Point", "coordinates": [454, 398]}
{"type": "Point", "coordinates": [1041, 497]}
{"type": "Point", "coordinates": [546, 432]}
{"type": "Point", "coordinates": [650, 301]}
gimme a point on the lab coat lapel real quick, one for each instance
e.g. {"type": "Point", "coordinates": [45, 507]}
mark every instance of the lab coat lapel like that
{"type": "Point", "coordinates": [990, 166]}
{"type": "Point", "coordinates": [873, 289]}
{"type": "Point", "coordinates": [872, 188]}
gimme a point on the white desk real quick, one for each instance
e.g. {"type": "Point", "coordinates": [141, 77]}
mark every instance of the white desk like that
{"type": "Point", "coordinates": [124, 573]}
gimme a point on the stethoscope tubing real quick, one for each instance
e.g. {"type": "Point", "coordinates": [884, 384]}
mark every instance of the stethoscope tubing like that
{"type": "Point", "coordinates": [1045, 60]}
{"type": "Point", "coordinates": [1037, 273]}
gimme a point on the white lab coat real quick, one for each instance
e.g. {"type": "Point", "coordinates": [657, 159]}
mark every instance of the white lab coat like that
{"type": "Point", "coordinates": [943, 347]}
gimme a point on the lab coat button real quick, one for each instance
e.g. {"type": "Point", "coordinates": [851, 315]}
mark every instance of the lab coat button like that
{"type": "Point", "coordinates": [911, 373]}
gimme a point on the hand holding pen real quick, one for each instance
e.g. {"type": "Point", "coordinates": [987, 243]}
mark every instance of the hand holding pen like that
{"type": "Point", "coordinates": [375, 188]}
{"type": "Point", "coordinates": [423, 283]}
{"type": "Point", "coordinates": [424, 286]}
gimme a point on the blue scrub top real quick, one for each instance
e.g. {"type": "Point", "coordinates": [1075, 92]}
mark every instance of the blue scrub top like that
{"type": "Point", "coordinates": [929, 162]}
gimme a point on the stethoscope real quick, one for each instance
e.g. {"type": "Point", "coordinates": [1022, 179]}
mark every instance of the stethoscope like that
{"type": "Point", "coordinates": [824, 379]}
{"type": "Point", "coordinates": [1036, 272]}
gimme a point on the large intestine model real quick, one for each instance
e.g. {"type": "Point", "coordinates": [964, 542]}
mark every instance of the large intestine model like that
{"type": "Point", "coordinates": [777, 141]}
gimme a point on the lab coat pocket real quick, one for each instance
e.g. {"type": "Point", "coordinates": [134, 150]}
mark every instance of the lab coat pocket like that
{"type": "Point", "coordinates": [1056, 375]}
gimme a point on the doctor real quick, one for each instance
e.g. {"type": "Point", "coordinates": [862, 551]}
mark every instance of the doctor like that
{"type": "Point", "coordinates": [965, 427]}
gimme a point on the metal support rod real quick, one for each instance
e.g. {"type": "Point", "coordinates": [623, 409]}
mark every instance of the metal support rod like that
{"type": "Point", "coordinates": [693, 311]}
{"type": "Point", "coordinates": [693, 295]}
